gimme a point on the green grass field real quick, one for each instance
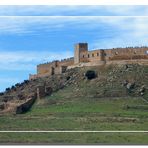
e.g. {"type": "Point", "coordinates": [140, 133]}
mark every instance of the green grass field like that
{"type": "Point", "coordinates": [78, 114]}
{"type": "Point", "coordinates": [85, 106]}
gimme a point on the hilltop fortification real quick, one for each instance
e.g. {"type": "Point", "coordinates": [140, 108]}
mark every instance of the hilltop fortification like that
{"type": "Point", "coordinates": [85, 57]}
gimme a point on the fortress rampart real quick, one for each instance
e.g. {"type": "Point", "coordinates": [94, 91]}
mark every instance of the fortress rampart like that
{"type": "Point", "coordinates": [84, 57]}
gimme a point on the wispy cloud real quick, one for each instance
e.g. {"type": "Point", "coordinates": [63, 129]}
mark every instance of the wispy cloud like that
{"type": "Point", "coordinates": [24, 60]}
{"type": "Point", "coordinates": [131, 29]}
{"type": "Point", "coordinates": [127, 10]}
{"type": "Point", "coordinates": [31, 24]}
{"type": "Point", "coordinates": [16, 66]}
{"type": "Point", "coordinates": [73, 10]}
{"type": "Point", "coordinates": [28, 24]}
{"type": "Point", "coordinates": [101, 32]}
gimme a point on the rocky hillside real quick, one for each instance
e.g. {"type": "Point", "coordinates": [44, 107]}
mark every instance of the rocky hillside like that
{"type": "Point", "coordinates": [99, 82]}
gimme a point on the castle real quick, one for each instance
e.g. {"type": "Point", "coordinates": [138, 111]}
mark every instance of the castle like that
{"type": "Point", "coordinates": [84, 57]}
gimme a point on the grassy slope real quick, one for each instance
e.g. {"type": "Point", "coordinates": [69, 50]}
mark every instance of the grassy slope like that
{"type": "Point", "coordinates": [79, 108]}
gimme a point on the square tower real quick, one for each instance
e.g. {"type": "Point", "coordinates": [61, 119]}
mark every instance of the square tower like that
{"type": "Point", "coordinates": [80, 47]}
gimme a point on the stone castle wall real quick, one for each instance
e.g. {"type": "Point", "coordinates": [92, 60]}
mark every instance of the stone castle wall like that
{"type": "Point", "coordinates": [67, 62]}
{"type": "Point", "coordinates": [55, 67]}
{"type": "Point", "coordinates": [83, 57]}
{"type": "Point", "coordinates": [44, 68]}
{"type": "Point", "coordinates": [114, 54]}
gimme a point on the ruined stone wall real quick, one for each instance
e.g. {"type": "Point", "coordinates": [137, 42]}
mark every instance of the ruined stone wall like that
{"type": "Point", "coordinates": [56, 70]}
{"type": "Point", "coordinates": [32, 77]}
{"type": "Point", "coordinates": [95, 56]}
{"type": "Point", "coordinates": [55, 67]}
{"type": "Point", "coordinates": [47, 68]}
{"type": "Point", "coordinates": [44, 68]}
{"type": "Point", "coordinates": [127, 53]}
{"type": "Point", "coordinates": [67, 62]}
{"type": "Point", "coordinates": [63, 69]}
{"type": "Point", "coordinates": [89, 56]}
{"type": "Point", "coordinates": [60, 69]}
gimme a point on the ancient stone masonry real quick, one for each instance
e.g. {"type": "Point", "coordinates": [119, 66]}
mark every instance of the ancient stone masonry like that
{"type": "Point", "coordinates": [84, 57]}
{"type": "Point", "coordinates": [43, 91]}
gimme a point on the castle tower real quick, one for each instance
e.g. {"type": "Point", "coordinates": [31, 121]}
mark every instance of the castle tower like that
{"type": "Point", "coordinates": [80, 47]}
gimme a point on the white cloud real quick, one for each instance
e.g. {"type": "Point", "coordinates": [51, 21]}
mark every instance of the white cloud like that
{"type": "Point", "coordinates": [36, 10]}
{"type": "Point", "coordinates": [30, 24]}
{"type": "Point", "coordinates": [127, 10]}
{"type": "Point", "coordinates": [73, 10]}
{"type": "Point", "coordinates": [136, 26]}
{"type": "Point", "coordinates": [24, 60]}
{"type": "Point", "coordinates": [133, 31]}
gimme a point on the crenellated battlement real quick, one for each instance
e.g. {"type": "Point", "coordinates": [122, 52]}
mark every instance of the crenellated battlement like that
{"type": "Point", "coordinates": [85, 57]}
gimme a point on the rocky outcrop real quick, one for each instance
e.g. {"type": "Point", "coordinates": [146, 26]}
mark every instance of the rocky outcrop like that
{"type": "Point", "coordinates": [22, 96]}
{"type": "Point", "coordinates": [2, 106]}
{"type": "Point", "coordinates": [111, 81]}
{"type": "Point", "coordinates": [142, 90]}
{"type": "Point", "coordinates": [48, 90]}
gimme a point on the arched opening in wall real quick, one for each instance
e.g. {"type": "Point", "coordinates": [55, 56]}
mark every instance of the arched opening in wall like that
{"type": "Point", "coordinates": [92, 54]}
{"type": "Point", "coordinates": [52, 71]}
{"type": "Point", "coordinates": [88, 55]}
{"type": "Point", "coordinates": [83, 56]}
{"type": "Point", "coordinates": [97, 54]}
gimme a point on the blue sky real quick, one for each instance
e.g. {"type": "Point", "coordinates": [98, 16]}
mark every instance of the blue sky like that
{"type": "Point", "coordinates": [53, 10]}
{"type": "Point", "coordinates": [30, 35]}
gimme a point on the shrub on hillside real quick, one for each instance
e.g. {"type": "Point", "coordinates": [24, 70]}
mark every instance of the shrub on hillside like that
{"type": "Point", "coordinates": [90, 74]}
{"type": "Point", "coordinates": [26, 81]}
{"type": "Point", "coordinates": [7, 89]}
{"type": "Point", "coordinates": [1, 93]}
{"type": "Point", "coordinates": [12, 87]}
{"type": "Point", "coordinates": [17, 85]}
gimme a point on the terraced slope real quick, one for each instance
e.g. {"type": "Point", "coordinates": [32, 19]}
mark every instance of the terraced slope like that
{"type": "Point", "coordinates": [114, 100]}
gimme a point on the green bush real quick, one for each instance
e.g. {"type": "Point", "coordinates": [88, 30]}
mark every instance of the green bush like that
{"type": "Point", "coordinates": [7, 89]}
